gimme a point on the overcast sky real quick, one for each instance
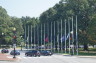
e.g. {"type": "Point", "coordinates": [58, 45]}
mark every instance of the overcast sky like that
{"type": "Point", "coordinates": [32, 8]}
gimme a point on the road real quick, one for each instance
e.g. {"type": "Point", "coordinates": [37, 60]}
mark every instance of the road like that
{"type": "Point", "coordinates": [56, 58]}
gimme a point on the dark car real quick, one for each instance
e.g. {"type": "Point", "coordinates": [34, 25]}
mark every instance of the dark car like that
{"type": "Point", "coordinates": [4, 50]}
{"type": "Point", "coordinates": [46, 53]}
{"type": "Point", "coordinates": [33, 53]}
{"type": "Point", "coordinates": [16, 52]}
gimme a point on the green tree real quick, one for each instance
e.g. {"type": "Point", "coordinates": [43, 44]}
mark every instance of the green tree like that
{"type": "Point", "coordinates": [84, 9]}
{"type": "Point", "coordinates": [5, 25]}
{"type": "Point", "coordinates": [19, 28]}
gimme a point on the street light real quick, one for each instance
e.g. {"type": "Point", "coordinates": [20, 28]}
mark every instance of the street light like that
{"type": "Point", "coordinates": [2, 33]}
{"type": "Point", "coordinates": [1, 38]}
{"type": "Point", "coordinates": [14, 39]}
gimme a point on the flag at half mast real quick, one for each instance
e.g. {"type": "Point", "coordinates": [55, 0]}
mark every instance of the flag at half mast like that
{"type": "Point", "coordinates": [63, 37]}
{"type": "Point", "coordinates": [46, 39]}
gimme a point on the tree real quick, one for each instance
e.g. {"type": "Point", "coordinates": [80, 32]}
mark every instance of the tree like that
{"type": "Point", "coordinates": [19, 28]}
{"type": "Point", "coordinates": [5, 25]}
{"type": "Point", "coordinates": [84, 9]}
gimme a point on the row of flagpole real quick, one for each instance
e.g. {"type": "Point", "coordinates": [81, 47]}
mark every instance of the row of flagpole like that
{"type": "Point", "coordinates": [53, 41]}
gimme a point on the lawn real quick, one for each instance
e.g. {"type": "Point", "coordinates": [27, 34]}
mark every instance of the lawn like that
{"type": "Point", "coordinates": [90, 52]}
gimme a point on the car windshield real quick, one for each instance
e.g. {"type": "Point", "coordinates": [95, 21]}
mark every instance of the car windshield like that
{"type": "Point", "coordinates": [15, 51]}
{"type": "Point", "coordinates": [34, 51]}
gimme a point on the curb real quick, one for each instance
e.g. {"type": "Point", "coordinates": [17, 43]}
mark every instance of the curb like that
{"type": "Point", "coordinates": [11, 59]}
{"type": "Point", "coordinates": [80, 56]}
{"type": "Point", "coordinates": [86, 56]}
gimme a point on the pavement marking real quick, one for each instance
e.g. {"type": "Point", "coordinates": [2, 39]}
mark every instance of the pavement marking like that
{"type": "Point", "coordinates": [12, 57]}
{"type": "Point", "coordinates": [75, 61]}
{"type": "Point", "coordinates": [9, 57]}
{"type": "Point", "coordinates": [36, 57]}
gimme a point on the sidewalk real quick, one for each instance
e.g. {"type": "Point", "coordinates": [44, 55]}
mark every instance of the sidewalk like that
{"type": "Point", "coordinates": [5, 57]}
{"type": "Point", "coordinates": [86, 56]}
{"type": "Point", "coordinates": [80, 56]}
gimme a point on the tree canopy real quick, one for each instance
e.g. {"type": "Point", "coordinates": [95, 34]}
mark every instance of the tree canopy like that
{"type": "Point", "coordinates": [65, 9]}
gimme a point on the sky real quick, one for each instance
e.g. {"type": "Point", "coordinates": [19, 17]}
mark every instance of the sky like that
{"type": "Point", "coordinates": [32, 8]}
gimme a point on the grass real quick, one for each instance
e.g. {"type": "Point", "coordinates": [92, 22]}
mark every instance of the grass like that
{"type": "Point", "coordinates": [87, 54]}
{"type": "Point", "coordinates": [90, 52]}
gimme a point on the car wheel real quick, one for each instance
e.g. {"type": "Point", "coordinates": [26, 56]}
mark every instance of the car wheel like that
{"type": "Point", "coordinates": [38, 55]}
{"type": "Point", "coordinates": [35, 55]}
{"type": "Point", "coordinates": [31, 55]}
{"type": "Point", "coordinates": [26, 54]}
{"type": "Point", "coordinates": [19, 54]}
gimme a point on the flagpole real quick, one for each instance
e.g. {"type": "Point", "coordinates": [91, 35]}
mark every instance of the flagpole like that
{"type": "Point", "coordinates": [61, 36]}
{"type": "Point", "coordinates": [38, 35]}
{"type": "Point", "coordinates": [27, 43]}
{"type": "Point", "coordinates": [44, 36]}
{"type": "Point", "coordinates": [28, 37]}
{"type": "Point", "coordinates": [76, 36]}
{"type": "Point", "coordinates": [65, 35]}
{"type": "Point", "coordinates": [54, 36]}
{"type": "Point", "coordinates": [58, 35]}
{"type": "Point", "coordinates": [25, 37]}
{"type": "Point", "coordinates": [48, 35]}
{"type": "Point", "coordinates": [41, 37]}
{"type": "Point", "coordinates": [72, 36]}
{"type": "Point", "coordinates": [69, 33]}
{"type": "Point", "coordinates": [31, 37]}
{"type": "Point", "coordinates": [34, 37]}
{"type": "Point", "coordinates": [51, 36]}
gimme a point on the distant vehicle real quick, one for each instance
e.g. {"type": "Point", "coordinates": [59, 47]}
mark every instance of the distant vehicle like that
{"type": "Point", "coordinates": [4, 51]}
{"type": "Point", "coordinates": [46, 53]}
{"type": "Point", "coordinates": [16, 52]}
{"type": "Point", "coordinates": [33, 53]}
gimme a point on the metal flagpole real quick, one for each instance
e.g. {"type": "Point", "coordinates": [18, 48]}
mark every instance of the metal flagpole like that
{"type": "Point", "coordinates": [34, 37]}
{"type": "Point", "coordinates": [58, 35]}
{"type": "Point", "coordinates": [54, 36]}
{"type": "Point", "coordinates": [27, 43]}
{"type": "Point", "coordinates": [44, 36]}
{"type": "Point", "coordinates": [72, 36]}
{"type": "Point", "coordinates": [38, 35]}
{"type": "Point", "coordinates": [48, 35]}
{"type": "Point", "coordinates": [25, 37]}
{"type": "Point", "coordinates": [51, 36]}
{"type": "Point", "coordinates": [76, 36]}
{"type": "Point", "coordinates": [69, 33]}
{"type": "Point", "coordinates": [61, 36]}
{"type": "Point", "coordinates": [65, 35]}
{"type": "Point", "coordinates": [31, 37]}
{"type": "Point", "coordinates": [41, 37]}
{"type": "Point", "coordinates": [28, 37]}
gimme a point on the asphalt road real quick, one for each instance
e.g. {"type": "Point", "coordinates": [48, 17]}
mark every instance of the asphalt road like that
{"type": "Point", "coordinates": [56, 58]}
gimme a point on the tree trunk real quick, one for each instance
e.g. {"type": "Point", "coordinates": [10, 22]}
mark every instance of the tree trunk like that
{"type": "Point", "coordinates": [85, 47]}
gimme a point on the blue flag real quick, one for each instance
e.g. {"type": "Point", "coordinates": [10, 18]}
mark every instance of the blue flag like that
{"type": "Point", "coordinates": [62, 38]}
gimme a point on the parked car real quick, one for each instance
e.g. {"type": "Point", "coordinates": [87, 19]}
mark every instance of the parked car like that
{"type": "Point", "coordinates": [33, 53]}
{"type": "Point", "coordinates": [46, 53]}
{"type": "Point", "coordinates": [16, 52]}
{"type": "Point", "coordinates": [4, 50]}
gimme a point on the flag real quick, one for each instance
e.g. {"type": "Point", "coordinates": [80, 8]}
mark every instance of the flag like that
{"type": "Point", "coordinates": [46, 39]}
{"type": "Point", "coordinates": [69, 34]}
{"type": "Point", "coordinates": [62, 38]}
